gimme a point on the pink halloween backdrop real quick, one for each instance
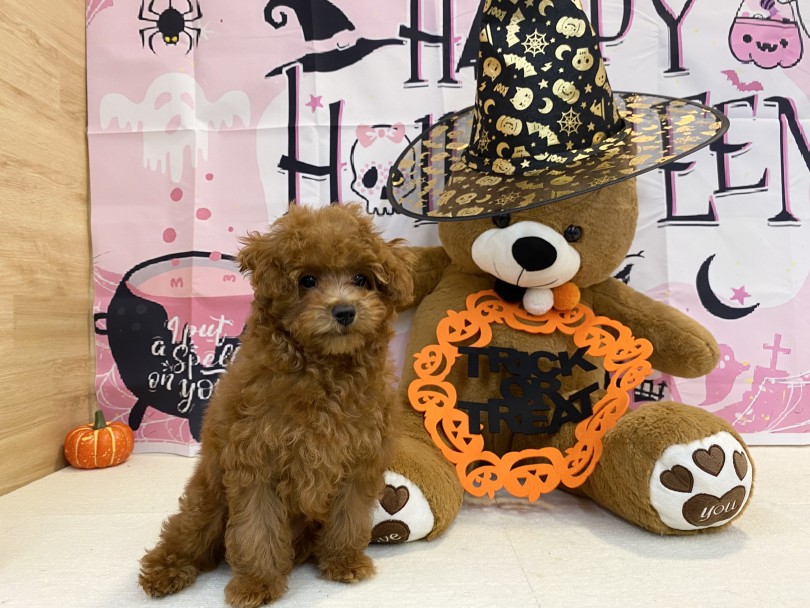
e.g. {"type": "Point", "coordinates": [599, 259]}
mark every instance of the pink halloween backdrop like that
{"type": "Point", "coordinates": [207, 117]}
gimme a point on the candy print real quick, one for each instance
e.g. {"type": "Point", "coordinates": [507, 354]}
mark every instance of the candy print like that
{"type": "Point", "coordinates": [766, 34]}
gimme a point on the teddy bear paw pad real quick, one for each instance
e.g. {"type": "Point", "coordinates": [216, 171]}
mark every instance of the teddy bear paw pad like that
{"type": "Point", "coordinates": [701, 484]}
{"type": "Point", "coordinates": [402, 513]}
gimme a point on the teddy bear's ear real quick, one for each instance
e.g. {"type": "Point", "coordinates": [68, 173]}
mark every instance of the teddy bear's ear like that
{"type": "Point", "coordinates": [395, 272]}
{"type": "Point", "coordinates": [258, 259]}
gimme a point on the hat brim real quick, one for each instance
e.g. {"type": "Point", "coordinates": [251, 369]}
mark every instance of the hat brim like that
{"type": "Point", "coordinates": [431, 181]}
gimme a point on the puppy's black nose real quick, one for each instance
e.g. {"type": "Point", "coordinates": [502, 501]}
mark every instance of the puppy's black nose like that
{"type": "Point", "coordinates": [344, 314]}
{"type": "Point", "coordinates": [534, 253]}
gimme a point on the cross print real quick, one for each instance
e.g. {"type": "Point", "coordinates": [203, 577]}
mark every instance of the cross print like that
{"type": "Point", "coordinates": [776, 348]}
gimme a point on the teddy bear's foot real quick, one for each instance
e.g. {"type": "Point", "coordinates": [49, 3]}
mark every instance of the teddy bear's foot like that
{"type": "Point", "coordinates": [701, 484]}
{"type": "Point", "coordinates": [672, 469]}
{"type": "Point", "coordinates": [402, 513]}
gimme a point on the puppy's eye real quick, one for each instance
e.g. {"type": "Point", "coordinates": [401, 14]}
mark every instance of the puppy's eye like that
{"type": "Point", "coordinates": [572, 234]}
{"type": "Point", "coordinates": [501, 221]}
{"type": "Point", "coordinates": [307, 281]}
{"type": "Point", "coordinates": [361, 280]}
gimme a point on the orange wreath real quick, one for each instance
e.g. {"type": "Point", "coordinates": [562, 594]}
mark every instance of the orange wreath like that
{"type": "Point", "coordinates": [482, 472]}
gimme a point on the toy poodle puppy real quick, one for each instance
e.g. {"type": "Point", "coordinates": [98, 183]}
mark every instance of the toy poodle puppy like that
{"type": "Point", "coordinates": [300, 427]}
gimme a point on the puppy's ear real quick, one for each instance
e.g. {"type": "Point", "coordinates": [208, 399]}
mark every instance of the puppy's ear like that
{"type": "Point", "coordinates": [395, 272]}
{"type": "Point", "coordinates": [258, 259]}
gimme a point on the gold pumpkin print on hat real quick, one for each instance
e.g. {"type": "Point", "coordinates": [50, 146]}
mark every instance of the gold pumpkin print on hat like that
{"type": "Point", "coordinates": [546, 124]}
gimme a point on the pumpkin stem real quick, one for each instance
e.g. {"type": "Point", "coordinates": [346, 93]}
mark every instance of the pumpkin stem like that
{"type": "Point", "coordinates": [100, 422]}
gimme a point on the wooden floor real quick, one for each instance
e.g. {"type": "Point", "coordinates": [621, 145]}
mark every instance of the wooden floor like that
{"type": "Point", "coordinates": [45, 302]}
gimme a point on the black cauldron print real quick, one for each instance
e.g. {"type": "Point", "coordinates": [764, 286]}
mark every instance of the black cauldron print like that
{"type": "Point", "coordinates": [172, 325]}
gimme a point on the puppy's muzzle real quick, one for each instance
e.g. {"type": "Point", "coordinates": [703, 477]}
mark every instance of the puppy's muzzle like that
{"type": "Point", "coordinates": [344, 314]}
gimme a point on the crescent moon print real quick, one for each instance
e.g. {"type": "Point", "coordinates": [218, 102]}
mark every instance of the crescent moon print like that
{"type": "Point", "coordinates": [562, 50]}
{"type": "Point", "coordinates": [710, 300]}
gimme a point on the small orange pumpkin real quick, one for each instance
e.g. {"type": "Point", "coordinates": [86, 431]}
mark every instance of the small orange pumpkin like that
{"type": "Point", "coordinates": [97, 445]}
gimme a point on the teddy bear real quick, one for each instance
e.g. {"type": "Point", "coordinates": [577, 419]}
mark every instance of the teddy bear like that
{"type": "Point", "coordinates": [539, 216]}
{"type": "Point", "coordinates": [667, 467]}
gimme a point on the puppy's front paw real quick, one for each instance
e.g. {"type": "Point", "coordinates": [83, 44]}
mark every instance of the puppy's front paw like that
{"type": "Point", "coordinates": [244, 591]}
{"type": "Point", "coordinates": [351, 570]}
{"type": "Point", "coordinates": [165, 574]}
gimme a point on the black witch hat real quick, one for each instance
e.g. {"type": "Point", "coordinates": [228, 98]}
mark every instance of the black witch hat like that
{"type": "Point", "coordinates": [319, 19]}
{"type": "Point", "coordinates": [546, 124]}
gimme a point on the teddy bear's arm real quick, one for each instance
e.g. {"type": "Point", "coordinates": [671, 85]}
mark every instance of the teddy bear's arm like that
{"type": "Point", "coordinates": [427, 271]}
{"type": "Point", "coordinates": [681, 346]}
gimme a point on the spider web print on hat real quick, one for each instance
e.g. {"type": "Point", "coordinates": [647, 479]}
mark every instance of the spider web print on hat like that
{"type": "Point", "coordinates": [546, 124]}
{"type": "Point", "coordinates": [543, 92]}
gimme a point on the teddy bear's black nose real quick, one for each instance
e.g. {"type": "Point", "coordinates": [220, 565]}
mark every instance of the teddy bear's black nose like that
{"type": "Point", "coordinates": [534, 253]}
{"type": "Point", "coordinates": [344, 314]}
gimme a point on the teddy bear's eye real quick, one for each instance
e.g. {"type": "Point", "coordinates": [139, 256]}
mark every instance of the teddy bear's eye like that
{"type": "Point", "coordinates": [307, 281]}
{"type": "Point", "coordinates": [501, 221]}
{"type": "Point", "coordinates": [572, 234]}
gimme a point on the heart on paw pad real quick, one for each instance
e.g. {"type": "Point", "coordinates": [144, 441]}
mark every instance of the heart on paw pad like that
{"type": "Point", "coordinates": [704, 483]}
{"type": "Point", "coordinates": [711, 460]}
{"type": "Point", "coordinates": [677, 478]}
{"type": "Point", "coordinates": [393, 499]}
{"type": "Point", "coordinates": [741, 464]}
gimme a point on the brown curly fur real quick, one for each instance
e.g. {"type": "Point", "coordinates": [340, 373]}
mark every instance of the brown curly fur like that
{"type": "Point", "coordinates": [300, 427]}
